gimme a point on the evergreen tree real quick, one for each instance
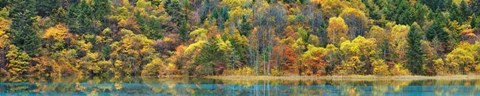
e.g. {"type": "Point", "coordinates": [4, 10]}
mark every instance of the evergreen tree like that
{"type": "Point", "coordinates": [475, 22]}
{"type": "Point", "coordinates": [475, 7]}
{"type": "Point", "coordinates": [22, 32]}
{"type": "Point", "coordinates": [80, 18]}
{"type": "Point", "coordinates": [461, 13]}
{"type": "Point", "coordinates": [245, 26]}
{"type": "Point", "coordinates": [174, 10]}
{"type": "Point", "coordinates": [101, 9]}
{"type": "Point", "coordinates": [403, 15]}
{"type": "Point", "coordinates": [4, 3]}
{"type": "Point", "coordinates": [464, 8]}
{"type": "Point", "coordinates": [436, 30]}
{"type": "Point", "coordinates": [47, 7]}
{"type": "Point", "coordinates": [415, 54]}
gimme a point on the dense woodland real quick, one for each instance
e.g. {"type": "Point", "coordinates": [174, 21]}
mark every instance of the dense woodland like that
{"type": "Point", "coordinates": [239, 37]}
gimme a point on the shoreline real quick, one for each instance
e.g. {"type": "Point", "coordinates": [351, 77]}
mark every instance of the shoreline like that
{"type": "Point", "coordinates": [345, 78]}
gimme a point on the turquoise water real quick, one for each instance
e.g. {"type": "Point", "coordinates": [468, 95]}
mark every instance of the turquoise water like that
{"type": "Point", "coordinates": [205, 87]}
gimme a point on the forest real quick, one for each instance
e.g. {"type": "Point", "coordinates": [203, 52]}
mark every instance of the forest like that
{"type": "Point", "coordinates": [121, 38]}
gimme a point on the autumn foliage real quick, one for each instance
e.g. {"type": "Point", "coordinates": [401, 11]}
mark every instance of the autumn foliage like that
{"type": "Point", "coordinates": [239, 37]}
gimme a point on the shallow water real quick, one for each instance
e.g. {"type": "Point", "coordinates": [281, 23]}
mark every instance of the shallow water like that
{"type": "Point", "coordinates": [194, 86]}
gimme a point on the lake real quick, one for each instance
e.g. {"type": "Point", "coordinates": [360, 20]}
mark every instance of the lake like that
{"type": "Point", "coordinates": [202, 87]}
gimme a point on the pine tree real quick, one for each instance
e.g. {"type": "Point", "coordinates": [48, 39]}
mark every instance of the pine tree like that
{"type": "Point", "coordinates": [245, 26]}
{"type": "Point", "coordinates": [174, 10]}
{"type": "Point", "coordinates": [475, 7]}
{"type": "Point", "coordinates": [47, 7]}
{"type": "Point", "coordinates": [415, 54]}
{"type": "Point", "coordinates": [436, 30]}
{"type": "Point", "coordinates": [475, 22]}
{"type": "Point", "coordinates": [22, 32]}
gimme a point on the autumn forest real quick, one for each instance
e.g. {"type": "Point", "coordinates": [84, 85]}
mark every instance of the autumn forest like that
{"type": "Point", "coordinates": [119, 38]}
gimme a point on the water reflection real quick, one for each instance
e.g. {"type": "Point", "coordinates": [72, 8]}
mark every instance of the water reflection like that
{"type": "Point", "coordinates": [196, 86]}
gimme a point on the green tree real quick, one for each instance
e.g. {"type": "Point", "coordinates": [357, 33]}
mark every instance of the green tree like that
{"type": "Point", "coordinates": [475, 7]}
{"type": "Point", "coordinates": [22, 32]}
{"type": "Point", "coordinates": [437, 31]}
{"type": "Point", "coordinates": [178, 17]}
{"type": "Point", "coordinates": [206, 61]}
{"type": "Point", "coordinates": [245, 26]}
{"type": "Point", "coordinates": [174, 10]}
{"type": "Point", "coordinates": [79, 18]}
{"type": "Point", "coordinates": [415, 55]}
{"type": "Point", "coordinates": [47, 7]}
{"type": "Point", "coordinates": [437, 4]}
{"type": "Point", "coordinates": [475, 22]}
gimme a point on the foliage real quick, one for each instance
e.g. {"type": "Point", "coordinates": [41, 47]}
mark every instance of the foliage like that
{"type": "Point", "coordinates": [18, 61]}
{"type": "Point", "coordinates": [356, 20]}
{"type": "Point", "coordinates": [337, 29]}
{"type": "Point", "coordinates": [124, 38]}
{"type": "Point", "coordinates": [154, 68]}
{"type": "Point", "coordinates": [415, 55]}
{"type": "Point", "coordinates": [21, 30]}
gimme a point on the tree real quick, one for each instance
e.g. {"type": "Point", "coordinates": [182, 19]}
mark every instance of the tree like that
{"type": "Point", "coordinates": [179, 18]}
{"type": "Point", "coordinates": [462, 12]}
{"type": "Point", "coordinates": [154, 68]}
{"type": "Point", "coordinates": [437, 32]}
{"type": "Point", "coordinates": [337, 29]}
{"type": "Point", "coordinates": [22, 33]}
{"type": "Point", "coordinates": [245, 26]}
{"type": "Point", "coordinates": [358, 54]}
{"type": "Point", "coordinates": [80, 17]}
{"type": "Point", "coordinates": [356, 20]}
{"type": "Point", "coordinates": [462, 59]}
{"type": "Point", "coordinates": [17, 61]}
{"type": "Point", "coordinates": [131, 54]}
{"type": "Point", "coordinates": [398, 43]}
{"type": "Point", "coordinates": [415, 55]}
{"type": "Point", "coordinates": [332, 8]}
{"type": "Point", "coordinates": [438, 4]}
{"type": "Point", "coordinates": [313, 62]}
{"type": "Point", "coordinates": [56, 36]}
{"type": "Point", "coordinates": [206, 61]}
{"type": "Point", "coordinates": [383, 40]}
{"type": "Point", "coordinates": [174, 10]}
{"type": "Point", "coordinates": [4, 41]}
{"type": "Point", "coordinates": [475, 7]}
{"type": "Point", "coordinates": [475, 23]}
{"type": "Point", "coordinates": [47, 7]}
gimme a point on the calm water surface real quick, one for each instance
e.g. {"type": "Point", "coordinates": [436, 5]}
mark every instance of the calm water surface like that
{"type": "Point", "coordinates": [194, 86]}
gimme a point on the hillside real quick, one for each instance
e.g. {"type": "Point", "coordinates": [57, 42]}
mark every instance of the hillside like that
{"type": "Point", "coordinates": [239, 37]}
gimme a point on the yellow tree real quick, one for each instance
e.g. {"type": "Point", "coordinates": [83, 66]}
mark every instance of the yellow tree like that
{"type": "Point", "coordinates": [131, 53]}
{"type": "Point", "coordinates": [337, 29]}
{"type": "Point", "coordinates": [55, 36]}
{"type": "Point", "coordinates": [332, 8]}
{"type": "Point", "coordinates": [4, 41]}
{"type": "Point", "coordinates": [154, 68]}
{"type": "Point", "coordinates": [382, 38]}
{"type": "Point", "coordinates": [17, 61]}
{"type": "Point", "coordinates": [356, 20]}
{"type": "Point", "coordinates": [358, 53]}
{"type": "Point", "coordinates": [398, 35]}
{"type": "Point", "coordinates": [462, 59]}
